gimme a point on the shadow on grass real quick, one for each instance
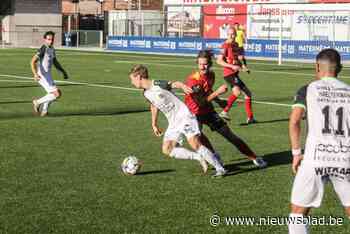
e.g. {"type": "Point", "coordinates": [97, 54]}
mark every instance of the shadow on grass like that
{"type": "Point", "coordinates": [15, 102]}
{"type": "Point", "coordinates": [267, 121]}
{"type": "Point", "coordinates": [29, 114]}
{"type": "Point", "coordinates": [100, 113]}
{"type": "Point", "coordinates": [155, 172]}
{"type": "Point", "coordinates": [274, 159]}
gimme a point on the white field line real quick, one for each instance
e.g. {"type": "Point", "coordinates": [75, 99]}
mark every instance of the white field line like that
{"type": "Point", "coordinates": [116, 87]}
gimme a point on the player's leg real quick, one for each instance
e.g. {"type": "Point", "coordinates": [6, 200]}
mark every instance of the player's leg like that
{"type": "Point", "coordinates": [227, 133]}
{"type": "Point", "coordinates": [197, 145]}
{"type": "Point", "coordinates": [342, 188]}
{"type": "Point", "coordinates": [296, 220]}
{"type": "Point", "coordinates": [206, 119]}
{"type": "Point", "coordinates": [248, 102]}
{"type": "Point", "coordinates": [45, 106]}
{"type": "Point", "coordinates": [236, 91]}
{"type": "Point", "coordinates": [52, 93]}
{"type": "Point", "coordinates": [172, 148]}
{"type": "Point", "coordinates": [307, 192]}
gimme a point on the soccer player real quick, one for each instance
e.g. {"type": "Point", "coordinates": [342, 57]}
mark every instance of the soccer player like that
{"type": "Point", "coordinates": [41, 67]}
{"type": "Point", "coordinates": [199, 103]}
{"type": "Point", "coordinates": [241, 40]}
{"type": "Point", "coordinates": [228, 59]}
{"type": "Point", "coordinates": [181, 121]}
{"type": "Point", "coordinates": [326, 104]}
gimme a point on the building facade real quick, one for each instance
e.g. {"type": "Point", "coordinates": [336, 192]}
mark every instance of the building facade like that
{"type": "Point", "coordinates": [25, 22]}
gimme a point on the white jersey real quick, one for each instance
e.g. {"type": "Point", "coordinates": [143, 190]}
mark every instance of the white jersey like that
{"type": "Point", "coordinates": [46, 57]}
{"type": "Point", "coordinates": [169, 104]}
{"type": "Point", "coordinates": [327, 104]}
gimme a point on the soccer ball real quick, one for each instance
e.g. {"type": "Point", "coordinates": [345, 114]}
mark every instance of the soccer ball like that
{"type": "Point", "coordinates": [130, 165]}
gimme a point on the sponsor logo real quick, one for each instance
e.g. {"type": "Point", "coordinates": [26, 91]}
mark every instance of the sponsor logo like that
{"type": "Point", "coordinates": [330, 148]}
{"type": "Point", "coordinates": [340, 172]}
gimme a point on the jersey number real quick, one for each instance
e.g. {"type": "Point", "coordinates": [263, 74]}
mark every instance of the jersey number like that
{"type": "Point", "coordinates": [340, 114]}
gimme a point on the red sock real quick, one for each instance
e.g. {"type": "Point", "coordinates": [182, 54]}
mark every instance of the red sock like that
{"type": "Point", "coordinates": [231, 99]}
{"type": "Point", "coordinates": [248, 108]}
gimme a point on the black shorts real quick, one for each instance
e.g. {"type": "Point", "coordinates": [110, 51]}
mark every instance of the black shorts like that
{"type": "Point", "coordinates": [234, 80]}
{"type": "Point", "coordinates": [212, 120]}
{"type": "Point", "coordinates": [240, 51]}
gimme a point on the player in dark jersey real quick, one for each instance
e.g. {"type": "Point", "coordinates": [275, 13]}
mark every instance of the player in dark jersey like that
{"type": "Point", "coordinates": [199, 103]}
{"type": "Point", "coordinates": [228, 59]}
{"type": "Point", "coordinates": [41, 65]}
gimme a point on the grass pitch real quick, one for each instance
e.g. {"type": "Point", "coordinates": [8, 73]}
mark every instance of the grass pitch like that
{"type": "Point", "coordinates": [60, 174]}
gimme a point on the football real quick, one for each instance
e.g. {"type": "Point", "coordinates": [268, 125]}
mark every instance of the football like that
{"type": "Point", "coordinates": [130, 165]}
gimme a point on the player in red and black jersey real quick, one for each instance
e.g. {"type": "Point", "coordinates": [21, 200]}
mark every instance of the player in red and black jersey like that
{"type": "Point", "coordinates": [199, 103]}
{"type": "Point", "coordinates": [229, 60]}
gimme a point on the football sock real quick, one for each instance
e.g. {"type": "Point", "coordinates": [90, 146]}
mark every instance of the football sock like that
{"type": "Point", "coordinates": [210, 158]}
{"type": "Point", "coordinates": [244, 61]}
{"type": "Point", "coordinates": [296, 224]}
{"type": "Point", "coordinates": [243, 147]}
{"type": "Point", "coordinates": [183, 153]}
{"type": "Point", "coordinates": [231, 99]}
{"type": "Point", "coordinates": [45, 106]}
{"type": "Point", "coordinates": [47, 98]}
{"type": "Point", "coordinates": [217, 156]}
{"type": "Point", "coordinates": [248, 107]}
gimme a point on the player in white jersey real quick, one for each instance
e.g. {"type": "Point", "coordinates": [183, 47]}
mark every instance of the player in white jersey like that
{"type": "Point", "coordinates": [181, 121]}
{"type": "Point", "coordinates": [41, 65]}
{"type": "Point", "coordinates": [326, 104]}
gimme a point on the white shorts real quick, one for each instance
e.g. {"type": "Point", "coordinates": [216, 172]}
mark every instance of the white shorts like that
{"type": "Point", "coordinates": [47, 83]}
{"type": "Point", "coordinates": [187, 127]}
{"type": "Point", "coordinates": [308, 187]}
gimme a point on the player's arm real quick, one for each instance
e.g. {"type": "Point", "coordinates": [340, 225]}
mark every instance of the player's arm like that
{"type": "Point", "coordinates": [214, 95]}
{"type": "Point", "coordinates": [221, 61]}
{"type": "Point", "coordinates": [295, 119]}
{"type": "Point", "coordinates": [60, 68]}
{"type": "Point", "coordinates": [154, 111]}
{"type": "Point", "coordinates": [33, 66]}
{"type": "Point", "coordinates": [180, 85]}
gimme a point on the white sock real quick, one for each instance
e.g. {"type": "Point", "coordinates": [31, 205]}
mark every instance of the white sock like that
{"type": "Point", "coordinates": [296, 224]}
{"type": "Point", "coordinates": [210, 158]}
{"type": "Point", "coordinates": [183, 153]}
{"type": "Point", "coordinates": [218, 157]}
{"type": "Point", "coordinates": [45, 106]}
{"type": "Point", "coordinates": [47, 98]}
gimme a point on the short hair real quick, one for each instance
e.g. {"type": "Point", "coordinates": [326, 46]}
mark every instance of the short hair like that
{"type": "Point", "coordinates": [48, 33]}
{"type": "Point", "coordinates": [330, 58]}
{"type": "Point", "coordinates": [139, 70]}
{"type": "Point", "coordinates": [206, 54]}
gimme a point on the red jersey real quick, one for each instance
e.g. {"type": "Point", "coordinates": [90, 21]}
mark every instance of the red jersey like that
{"type": "Point", "coordinates": [203, 86]}
{"type": "Point", "coordinates": [229, 50]}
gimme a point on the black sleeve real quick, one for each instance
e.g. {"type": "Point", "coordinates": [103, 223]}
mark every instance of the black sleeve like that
{"type": "Point", "coordinates": [164, 84]}
{"type": "Point", "coordinates": [41, 52]}
{"type": "Point", "coordinates": [300, 97]}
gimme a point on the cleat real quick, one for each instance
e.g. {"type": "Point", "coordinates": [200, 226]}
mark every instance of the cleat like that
{"type": "Point", "coordinates": [219, 173]}
{"type": "Point", "coordinates": [224, 115]}
{"type": "Point", "coordinates": [44, 113]}
{"type": "Point", "coordinates": [259, 162]}
{"type": "Point", "coordinates": [251, 121]}
{"type": "Point", "coordinates": [36, 107]}
{"type": "Point", "coordinates": [204, 165]}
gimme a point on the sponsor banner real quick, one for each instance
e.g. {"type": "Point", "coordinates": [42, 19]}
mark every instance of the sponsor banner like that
{"type": "Point", "coordinates": [329, 1]}
{"type": "Point", "coordinates": [294, 49]}
{"type": "Point", "coordinates": [299, 22]}
{"type": "Point", "coordinates": [210, 2]}
{"type": "Point", "coordinates": [218, 18]}
{"type": "Point", "coordinates": [186, 20]}
{"type": "Point", "coordinates": [158, 44]}
{"type": "Point", "coordinates": [255, 48]}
